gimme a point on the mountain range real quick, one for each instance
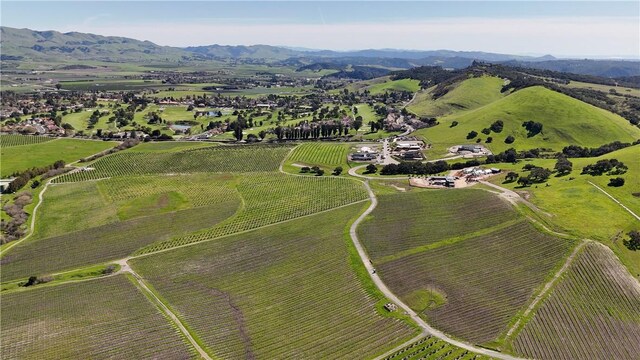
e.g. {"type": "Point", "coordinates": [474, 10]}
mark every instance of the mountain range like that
{"type": "Point", "coordinates": [73, 47]}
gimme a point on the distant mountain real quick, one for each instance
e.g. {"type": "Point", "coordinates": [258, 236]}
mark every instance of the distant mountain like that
{"type": "Point", "coordinates": [25, 44]}
{"type": "Point", "coordinates": [73, 47]}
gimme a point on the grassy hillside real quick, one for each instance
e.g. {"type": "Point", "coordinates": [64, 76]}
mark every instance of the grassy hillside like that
{"type": "Point", "coordinates": [565, 121]}
{"type": "Point", "coordinates": [398, 85]}
{"type": "Point", "coordinates": [466, 95]}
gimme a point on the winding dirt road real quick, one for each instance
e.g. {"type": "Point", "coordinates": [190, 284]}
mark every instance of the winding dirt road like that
{"type": "Point", "coordinates": [393, 298]}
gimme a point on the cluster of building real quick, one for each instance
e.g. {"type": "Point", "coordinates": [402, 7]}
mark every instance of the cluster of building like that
{"type": "Point", "coordinates": [364, 154]}
{"type": "Point", "coordinates": [470, 150]}
{"type": "Point", "coordinates": [408, 149]}
{"type": "Point", "coordinates": [36, 126]}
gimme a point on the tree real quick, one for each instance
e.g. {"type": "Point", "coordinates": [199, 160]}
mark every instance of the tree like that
{"type": "Point", "coordinates": [371, 169]}
{"type": "Point", "coordinates": [563, 166]}
{"type": "Point", "coordinates": [237, 131]}
{"type": "Point", "coordinates": [633, 242]}
{"type": "Point", "coordinates": [319, 172]}
{"type": "Point", "coordinates": [539, 175]}
{"type": "Point", "coordinates": [511, 176]}
{"type": "Point", "coordinates": [616, 182]}
{"type": "Point", "coordinates": [510, 139]}
{"type": "Point", "coordinates": [58, 86]}
{"type": "Point", "coordinates": [262, 134]}
{"type": "Point", "coordinates": [533, 128]}
{"type": "Point", "coordinates": [497, 126]}
{"type": "Point", "coordinates": [486, 131]}
{"type": "Point", "coordinates": [489, 140]}
{"type": "Point", "coordinates": [337, 171]}
{"type": "Point", "coordinates": [357, 123]}
{"type": "Point", "coordinates": [453, 124]}
{"type": "Point", "coordinates": [524, 181]}
{"type": "Point", "coordinates": [472, 134]}
{"type": "Point", "coordinates": [305, 169]}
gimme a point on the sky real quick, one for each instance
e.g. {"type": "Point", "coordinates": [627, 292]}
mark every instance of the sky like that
{"type": "Point", "coordinates": [560, 28]}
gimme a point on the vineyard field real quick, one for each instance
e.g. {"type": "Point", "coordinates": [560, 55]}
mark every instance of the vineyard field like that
{"type": "Point", "coordinates": [320, 154]}
{"type": "Point", "coordinates": [217, 159]}
{"type": "Point", "coordinates": [484, 280]}
{"type": "Point", "coordinates": [285, 291]}
{"type": "Point", "coordinates": [107, 242]}
{"type": "Point", "coordinates": [274, 197]}
{"type": "Point", "coordinates": [592, 313]}
{"type": "Point", "coordinates": [98, 319]}
{"type": "Point", "coordinates": [404, 221]}
{"type": "Point", "coordinates": [169, 146]}
{"type": "Point", "coordinates": [18, 140]}
{"type": "Point", "coordinates": [432, 348]}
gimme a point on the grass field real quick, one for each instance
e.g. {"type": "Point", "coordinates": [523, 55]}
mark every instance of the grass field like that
{"type": "Point", "coordinates": [467, 95]}
{"type": "Point", "coordinates": [482, 281]}
{"type": "Point", "coordinates": [273, 197]}
{"type": "Point", "coordinates": [432, 348]}
{"type": "Point", "coordinates": [566, 121]}
{"type": "Point", "coordinates": [287, 291]}
{"type": "Point", "coordinates": [593, 312]}
{"type": "Point", "coordinates": [409, 85]}
{"type": "Point", "coordinates": [23, 157]}
{"type": "Point", "coordinates": [18, 140]}
{"type": "Point", "coordinates": [99, 319]}
{"type": "Point", "coordinates": [216, 159]}
{"type": "Point", "coordinates": [413, 220]}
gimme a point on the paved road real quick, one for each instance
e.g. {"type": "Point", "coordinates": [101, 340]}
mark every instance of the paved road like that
{"type": "Point", "coordinates": [393, 298]}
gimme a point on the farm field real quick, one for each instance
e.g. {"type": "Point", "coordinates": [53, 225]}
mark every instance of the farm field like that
{"type": "Point", "coordinates": [18, 140]}
{"type": "Point", "coordinates": [98, 319]}
{"type": "Point", "coordinates": [216, 159]}
{"type": "Point", "coordinates": [17, 158]}
{"type": "Point", "coordinates": [557, 113]}
{"type": "Point", "coordinates": [431, 348]}
{"type": "Point", "coordinates": [415, 219]}
{"type": "Point", "coordinates": [577, 206]}
{"type": "Point", "coordinates": [274, 197]}
{"type": "Point", "coordinates": [474, 287]}
{"type": "Point", "coordinates": [593, 312]}
{"type": "Point", "coordinates": [170, 146]}
{"type": "Point", "coordinates": [267, 282]}
{"type": "Point", "coordinates": [467, 95]}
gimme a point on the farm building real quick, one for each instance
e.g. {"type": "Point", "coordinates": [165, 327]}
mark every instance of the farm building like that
{"type": "Point", "coordinates": [390, 307]}
{"type": "Point", "coordinates": [362, 156]}
{"type": "Point", "coordinates": [4, 183]}
{"type": "Point", "coordinates": [448, 181]}
{"type": "Point", "coordinates": [412, 155]}
{"type": "Point", "coordinates": [408, 145]}
{"type": "Point", "coordinates": [470, 148]}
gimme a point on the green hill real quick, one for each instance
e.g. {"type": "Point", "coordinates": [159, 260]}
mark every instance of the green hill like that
{"type": "Point", "coordinates": [566, 121]}
{"type": "Point", "coordinates": [466, 95]}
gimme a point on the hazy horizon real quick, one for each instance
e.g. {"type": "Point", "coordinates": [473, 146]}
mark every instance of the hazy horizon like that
{"type": "Point", "coordinates": [563, 29]}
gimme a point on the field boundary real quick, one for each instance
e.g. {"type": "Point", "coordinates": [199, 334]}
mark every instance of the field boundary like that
{"type": "Point", "coordinates": [615, 200]}
{"type": "Point", "coordinates": [142, 286]}
{"type": "Point", "coordinates": [545, 290]}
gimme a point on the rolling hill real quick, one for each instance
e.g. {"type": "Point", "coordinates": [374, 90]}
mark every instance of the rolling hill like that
{"type": "Point", "coordinates": [565, 121]}
{"type": "Point", "coordinates": [466, 95]}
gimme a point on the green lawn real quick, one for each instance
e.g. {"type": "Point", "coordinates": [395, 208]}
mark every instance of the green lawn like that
{"type": "Point", "coordinates": [27, 156]}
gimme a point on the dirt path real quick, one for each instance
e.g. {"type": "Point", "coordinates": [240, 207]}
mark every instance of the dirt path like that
{"type": "Point", "coordinates": [513, 197]}
{"type": "Point", "coordinates": [616, 201]}
{"type": "Point", "coordinates": [393, 298]}
{"type": "Point", "coordinates": [33, 221]}
{"type": "Point", "coordinates": [547, 287]}
{"type": "Point", "coordinates": [162, 307]}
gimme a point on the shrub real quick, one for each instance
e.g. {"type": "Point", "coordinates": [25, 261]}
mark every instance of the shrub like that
{"type": "Point", "coordinates": [510, 139]}
{"type": "Point", "coordinates": [472, 134]}
{"type": "Point", "coordinates": [454, 124]}
{"type": "Point", "coordinates": [497, 126]}
{"type": "Point", "coordinates": [616, 182]}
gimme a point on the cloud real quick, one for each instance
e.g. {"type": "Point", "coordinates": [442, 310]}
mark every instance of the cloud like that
{"type": "Point", "coordinates": [557, 36]}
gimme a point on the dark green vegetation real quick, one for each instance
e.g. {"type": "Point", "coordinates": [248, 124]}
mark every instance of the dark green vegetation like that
{"type": "Point", "coordinates": [463, 259]}
{"type": "Point", "coordinates": [242, 295]}
{"type": "Point", "coordinates": [97, 319]}
{"type": "Point", "coordinates": [593, 312]}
